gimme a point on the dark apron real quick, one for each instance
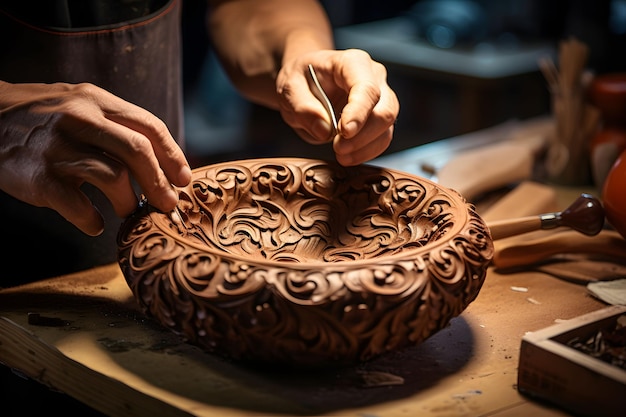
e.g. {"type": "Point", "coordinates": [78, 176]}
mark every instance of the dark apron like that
{"type": "Point", "coordinates": [139, 61]}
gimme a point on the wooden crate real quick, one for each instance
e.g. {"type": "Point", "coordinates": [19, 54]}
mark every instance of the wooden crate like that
{"type": "Point", "coordinates": [552, 371]}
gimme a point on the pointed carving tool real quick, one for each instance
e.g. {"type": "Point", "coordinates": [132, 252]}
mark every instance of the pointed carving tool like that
{"type": "Point", "coordinates": [320, 94]}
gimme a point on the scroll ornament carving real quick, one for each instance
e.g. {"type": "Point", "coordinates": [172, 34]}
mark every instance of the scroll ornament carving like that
{"type": "Point", "coordinates": [305, 262]}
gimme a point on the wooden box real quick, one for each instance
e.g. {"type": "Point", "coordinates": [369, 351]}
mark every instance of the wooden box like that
{"type": "Point", "coordinates": [552, 371]}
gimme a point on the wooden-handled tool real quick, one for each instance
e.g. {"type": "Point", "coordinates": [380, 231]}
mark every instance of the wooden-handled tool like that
{"type": "Point", "coordinates": [552, 253]}
{"type": "Point", "coordinates": [585, 215]}
{"type": "Point", "coordinates": [607, 243]}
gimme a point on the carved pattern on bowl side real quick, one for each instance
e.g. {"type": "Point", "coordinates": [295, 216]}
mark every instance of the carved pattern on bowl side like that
{"type": "Point", "coordinates": [306, 262]}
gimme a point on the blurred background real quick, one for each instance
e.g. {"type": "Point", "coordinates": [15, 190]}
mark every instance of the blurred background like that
{"type": "Point", "coordinates": [456, 65]}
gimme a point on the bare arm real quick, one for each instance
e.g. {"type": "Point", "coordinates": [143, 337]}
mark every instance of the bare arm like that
{"type": "Point", "coordinates": [266, 47]}
{"type": "Point", "coordinates": [253, 39]}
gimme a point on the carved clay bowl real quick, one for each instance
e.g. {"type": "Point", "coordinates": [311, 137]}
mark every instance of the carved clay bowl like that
{"type": "Point", "coordinates": [306, 262]}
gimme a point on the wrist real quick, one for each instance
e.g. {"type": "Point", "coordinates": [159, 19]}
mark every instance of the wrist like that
{"type": "Point", "coordinates": [304, 41]}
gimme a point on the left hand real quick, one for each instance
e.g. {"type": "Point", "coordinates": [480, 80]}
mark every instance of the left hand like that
{"type": "Point", "coordinates": [357, 87]}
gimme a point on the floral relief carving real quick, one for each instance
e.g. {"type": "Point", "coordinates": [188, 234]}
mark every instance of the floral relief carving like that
{"type": "Point", "coordinates": [304, 261]}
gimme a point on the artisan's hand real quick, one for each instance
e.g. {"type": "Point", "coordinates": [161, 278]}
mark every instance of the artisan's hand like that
{"type": "Point", "coordinates": [56, 137]}
{"type": "Point", "coordinates": [358, 89]}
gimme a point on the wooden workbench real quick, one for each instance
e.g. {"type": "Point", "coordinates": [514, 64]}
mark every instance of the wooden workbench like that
{"type": "Point", "coordinates": [83, 334]}
{"type": "Point", "coordinates": [93, 344]}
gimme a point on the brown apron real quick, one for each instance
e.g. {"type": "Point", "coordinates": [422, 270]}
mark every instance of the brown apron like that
{"type": "Point", "coordinates": [139, 61]}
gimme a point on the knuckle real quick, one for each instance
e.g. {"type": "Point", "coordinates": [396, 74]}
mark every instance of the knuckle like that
{"type": "Point", "coordinates": [373, 90]}
{"type": "Point", "coordinates": [154, 124]}
{"type": "Point", "coordinates": [380, 70]}
{"type": "Point", "coordinates": [86, 90]}
{"type": "Point", "coordinates": [358, 54]}
{"type": "Point", "coordinates": [106, 170]}
{"type": "Point", "coordinates": [387, 116]}
{"type": "Point", "coordinates": [139, 146]}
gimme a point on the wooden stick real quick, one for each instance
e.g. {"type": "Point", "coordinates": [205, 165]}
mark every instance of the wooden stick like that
{"type": "Point", "coordinates": [550, 73]}
{"type": "Point", "coordinates": [506, 228]}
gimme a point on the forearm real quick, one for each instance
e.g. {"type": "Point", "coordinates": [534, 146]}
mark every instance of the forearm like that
{"type": "Point", "coordinates": [253, 38]}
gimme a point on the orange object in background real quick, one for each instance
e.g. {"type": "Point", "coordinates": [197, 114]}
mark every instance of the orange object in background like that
{"type": "Point", "coordinates": [607, 93]}
{"type": "Point", "coordinates": [610, 134]}
{"type": "Point", "coordinates": [614, 195]}
{"type": "Point", "coordinates": [608, 146]}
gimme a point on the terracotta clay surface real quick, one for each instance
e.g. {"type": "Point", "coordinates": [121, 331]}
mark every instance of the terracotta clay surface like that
{"type": "Point", "coordinates": [306, 262]}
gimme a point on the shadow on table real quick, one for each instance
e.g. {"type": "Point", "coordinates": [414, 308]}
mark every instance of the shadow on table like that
{"type": "Point", "coordinates": [159, 357]}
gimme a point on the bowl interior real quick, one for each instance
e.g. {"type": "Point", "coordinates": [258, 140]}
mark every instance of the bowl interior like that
{"type": "Point", "coordinates": [304, 211]}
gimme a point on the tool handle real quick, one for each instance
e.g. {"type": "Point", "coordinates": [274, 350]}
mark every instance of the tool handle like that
{"type": "Point", "coordinates": [511, 227]}
{"type": "Point", "coordinates": [607, 242]}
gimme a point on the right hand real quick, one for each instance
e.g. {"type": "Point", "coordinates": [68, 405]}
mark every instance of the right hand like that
{"type": "Point", "coordinates": [357, 86]}
{"type": "Point", "coordinates": [56, 137]}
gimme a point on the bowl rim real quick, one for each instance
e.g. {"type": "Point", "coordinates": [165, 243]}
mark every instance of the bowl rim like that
{"type": "Point", "coordinates": [309, 265]}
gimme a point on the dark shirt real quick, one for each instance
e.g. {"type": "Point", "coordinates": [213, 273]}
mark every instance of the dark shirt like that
{"type": "Point", "coordinates": [80, 14]}
{"type": "Point", "coordinates": [137, 62]}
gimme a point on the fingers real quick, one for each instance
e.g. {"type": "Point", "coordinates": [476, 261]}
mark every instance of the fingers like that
{"type": "Point", "coordinates": [168, 153]}
{"type": "Point", "coordinates": [63, 135]}
{"type": "Point", "coordinates": [75, 207]}
{"type": "Point", "coordinates": [136, 139]}
{"type": "Point", "coordinates": [361, 141]}
{"type": "Point", "coordinates": [106, 174]}
{"type": "Point", "coordinates": [302, 110]}
{"type": "Point", "coordinates": [64, 195]}
{"type": "Point", "coordinates": [367, 119]}
{"type": "Point", "coordinates": [357, 87]}
{"type": "Point", "coordinates": [62, 188]}
{"type": "Point", "coordinates": [349, 152]}
{"type": "Point", "coordinates": [136, 153]}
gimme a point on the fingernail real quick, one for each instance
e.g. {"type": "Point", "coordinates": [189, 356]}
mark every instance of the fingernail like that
{"type": "Point", "coordinates": [343, 147]}
{"type": "Point", "coordinates": [349, 130]}
{"type": "Point", "coordinates": [184, 176]}
{"type": "Point", "coordinates": [345, 160]}
{"type": "Point", "coordinates": [171, 197]}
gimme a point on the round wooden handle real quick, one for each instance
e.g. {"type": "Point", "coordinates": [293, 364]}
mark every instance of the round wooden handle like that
{"type": "Point", "coordinates": [505, 228]}
{"type": "Point", "coordinates": [584, 215]}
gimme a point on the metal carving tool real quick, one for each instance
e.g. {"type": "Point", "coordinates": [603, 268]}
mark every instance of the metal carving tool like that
{"type": "Point", "coordinates": [319, 93]}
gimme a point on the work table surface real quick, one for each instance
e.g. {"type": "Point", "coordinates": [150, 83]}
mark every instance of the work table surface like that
{"type": "Point", "coordinates": [106, 354]}
{"type": "Point", "coordinates": [92, 342]}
